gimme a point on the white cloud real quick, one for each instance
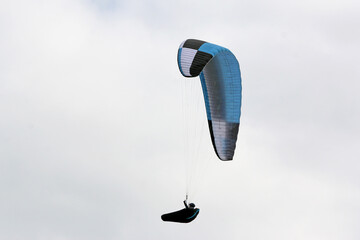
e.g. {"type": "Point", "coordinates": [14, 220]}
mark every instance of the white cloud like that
{"type": "Point", "coordinates": [90, 127]}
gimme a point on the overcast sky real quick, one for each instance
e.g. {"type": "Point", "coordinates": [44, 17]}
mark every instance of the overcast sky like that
{"type": "Point", "coordinates": [91, 127]}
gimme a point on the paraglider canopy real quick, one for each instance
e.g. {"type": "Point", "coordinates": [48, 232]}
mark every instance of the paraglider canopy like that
{"type": "Point", "coordinates": [220, 77]}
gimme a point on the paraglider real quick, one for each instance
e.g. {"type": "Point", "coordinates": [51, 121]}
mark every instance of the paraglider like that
{"type": "Point", "coordinates": [220, 79]}
{"type": "Point", "coordinates": [186, 215]}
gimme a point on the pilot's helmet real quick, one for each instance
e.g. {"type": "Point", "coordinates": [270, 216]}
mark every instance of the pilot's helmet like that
{"type": "Point", "coordinates": [191, 205]}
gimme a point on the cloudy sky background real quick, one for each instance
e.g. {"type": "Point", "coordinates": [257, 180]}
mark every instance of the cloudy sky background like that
{"type": "Point", "coordinates": [90, 120]}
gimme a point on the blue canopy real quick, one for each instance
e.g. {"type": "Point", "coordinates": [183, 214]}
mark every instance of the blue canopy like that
{"type": "Point", "coordinates": [220, 77]}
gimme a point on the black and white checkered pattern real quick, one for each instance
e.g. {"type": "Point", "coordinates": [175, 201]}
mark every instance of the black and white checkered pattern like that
{"type": "Point", "coordinates": [191, 60]}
